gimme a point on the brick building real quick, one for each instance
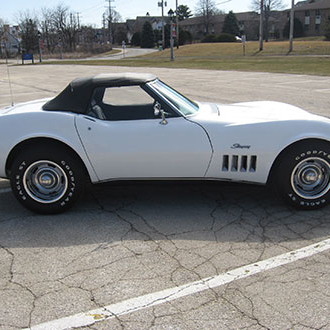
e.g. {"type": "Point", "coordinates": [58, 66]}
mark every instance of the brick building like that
{"type": "Point", "coordinates": [248, 23]}
{"type": "Point", "coordinates": [313, 16]}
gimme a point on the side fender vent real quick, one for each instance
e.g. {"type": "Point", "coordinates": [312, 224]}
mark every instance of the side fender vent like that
{"type": "Point", "coordinates": [236, 163]}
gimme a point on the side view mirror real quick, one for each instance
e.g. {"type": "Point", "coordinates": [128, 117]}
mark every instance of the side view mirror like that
{"type": "Point", "coordinates": [158, 110]}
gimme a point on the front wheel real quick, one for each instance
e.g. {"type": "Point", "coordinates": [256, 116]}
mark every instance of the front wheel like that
{"type": "Point", "coordinates": [47, 180]}
{"type": "Point", "coordinates": [303, 175]}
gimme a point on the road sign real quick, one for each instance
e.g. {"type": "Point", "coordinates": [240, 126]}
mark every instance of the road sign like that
{"type": "Point", "coordinates": [26, 57]}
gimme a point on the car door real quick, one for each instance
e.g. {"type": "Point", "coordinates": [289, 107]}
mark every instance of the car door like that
{"type": "Point", "coordinates": [143, 147]}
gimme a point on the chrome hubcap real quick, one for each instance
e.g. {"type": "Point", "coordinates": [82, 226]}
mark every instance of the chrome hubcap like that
{"type": "Point", "coordinates": [310, 178]}
{"type": "Point", "coordinates": [45, 181]}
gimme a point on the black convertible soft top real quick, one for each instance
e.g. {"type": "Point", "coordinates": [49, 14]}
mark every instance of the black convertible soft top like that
{"type": "Point", "coordinates": [76, 96]}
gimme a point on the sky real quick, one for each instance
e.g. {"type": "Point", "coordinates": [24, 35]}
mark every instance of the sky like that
{"type": "Point", "coordinates": [90, 11]}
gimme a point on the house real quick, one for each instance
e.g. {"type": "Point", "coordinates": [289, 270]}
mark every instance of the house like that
{"type": "Point", "coordinates": [155, 21]}
{"type": "Point", "coordinates": [136, 25]}
{"type": "Point", "coordinates": [9, 40]}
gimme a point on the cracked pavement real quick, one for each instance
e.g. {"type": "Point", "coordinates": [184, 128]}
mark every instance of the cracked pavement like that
{"type": "Point", "coordinates": [125, 240]}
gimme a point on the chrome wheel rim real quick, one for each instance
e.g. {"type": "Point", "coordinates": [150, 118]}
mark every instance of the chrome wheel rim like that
{"type": "Point", "coordinates": [310, 178]}
{"type": "Point", "coordinates": [45, 182]}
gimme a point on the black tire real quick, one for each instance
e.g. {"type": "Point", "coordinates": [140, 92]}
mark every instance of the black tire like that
{"type": "Point", "coordinates": [303, 175]}
{"type": "Point", "coordinates": [47, 179]}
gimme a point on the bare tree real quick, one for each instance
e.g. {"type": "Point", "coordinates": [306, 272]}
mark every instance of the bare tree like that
{"type": "Point", "coordinates": [1, 26]}
{"type": "Point", "coordinates": [2, 32]}
{"type": "Point", "coordinates": [206, 9]}
{"type": "Point", "coordinates": [112, 17]}
{"type": "Point", "coordinates": [66, 25]}
{"type": "Point", "coordinates": [89, 39]}
{"type": "Point", "coordinates": [49, 31]}
{"type": "Point", "coordinates": [268, 8]}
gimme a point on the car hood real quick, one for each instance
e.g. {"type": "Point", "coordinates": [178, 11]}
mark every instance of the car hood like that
{"type": "Point", "coordinates": [252, 112]}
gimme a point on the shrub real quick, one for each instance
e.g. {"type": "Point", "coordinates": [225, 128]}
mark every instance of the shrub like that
{"type": "Point", "coordinates": [210, 38]}
{"type": "Point", "coordinates": [226, 37]}
{"type": "Point", "coordinates": [147, 37]}
{"type": "Point", "coordinates": [184, 37]}
{"type": "Point", "coordinates": [136, 39]}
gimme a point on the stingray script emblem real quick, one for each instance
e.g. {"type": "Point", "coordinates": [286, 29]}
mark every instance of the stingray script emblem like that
{"type": "Point", "coordinates": [239, 146]}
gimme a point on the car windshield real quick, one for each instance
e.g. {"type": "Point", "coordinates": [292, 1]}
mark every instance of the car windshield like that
{"type": "Point", "coordinates": [182, 103]}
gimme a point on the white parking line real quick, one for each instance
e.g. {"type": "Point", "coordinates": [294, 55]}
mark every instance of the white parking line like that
{"type": "Point", "coordinates": [324, 90]}
{"type": "Point", "coordinates": [5, 190]}
{"type": "Point", "coordinates": [161, 297]}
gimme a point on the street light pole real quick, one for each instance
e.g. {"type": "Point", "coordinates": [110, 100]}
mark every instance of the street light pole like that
{"type": "Point", "coordinates": [61, 46]}
{"type": "Point", "coordinates": [163, 28]}
{"type": "Point", "coordinates": [161, 4]}
{"type": "Point", "coordinates": [261, 27]}
{"type": "Point", "coordinates": [110, 24]}
{"type": "Point", "coordinates": [171, 36]}
{"type": "Point", "coordinates": [291, 27]}
{"type": "Point", "coordinates": [39, 46]}
{"type": "Point", "coordinates": [177, 24]}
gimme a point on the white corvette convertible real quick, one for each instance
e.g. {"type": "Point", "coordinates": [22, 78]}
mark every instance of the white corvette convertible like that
{"type": "Point", "coordinates": [133, 126]}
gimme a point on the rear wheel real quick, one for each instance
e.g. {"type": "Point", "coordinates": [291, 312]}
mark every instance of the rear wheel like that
{"type": "Point", "coordinates": [303, 175]}
{"type": "Point", "coordinates": [47, 180]}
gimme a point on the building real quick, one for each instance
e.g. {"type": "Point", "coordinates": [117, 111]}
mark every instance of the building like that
{"type": "Point", "coordinates": [313, 15]}
{"type": "Point", "coordinates": [155, 21]}
{"type": "Point", "coordinates": [248, 23]}
{"type": "Point", "coordinates": [9, 40]}
{"type": "Point", "coordinates": [136, 25]}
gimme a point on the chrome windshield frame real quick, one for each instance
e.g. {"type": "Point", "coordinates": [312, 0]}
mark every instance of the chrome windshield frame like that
{"type": "Point", "coordinates": [151, 84]}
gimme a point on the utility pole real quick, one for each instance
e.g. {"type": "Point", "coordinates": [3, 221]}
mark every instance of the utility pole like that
{"type": "Point", "coordinates": [110, 23]}
{"type": "Point", "coordinates": [162, 4]}
{"type": "Point", "coordinates": [60, 39]}
{"type": "Point", "coordinates": [103, 24]}
{"type": "Point", "coordinates": [79, 35]}
{"type": "Point", "coordinates": [72, 34]}
{"type": "Point", "coordinates": [171, 34]}
{"type": "Point", "coordinates": [177, 24]}
{"type": "Point", "coordinates": [291, 27]}
{"type": "Point", "coordinates": [261, 27]}
{"type": "Point", "coordinates": [78, 19]}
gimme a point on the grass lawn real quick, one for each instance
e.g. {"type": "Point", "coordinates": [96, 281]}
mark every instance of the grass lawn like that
{"type": "Point", "coordinates": [312, 47]}
{"type": "Point", "coordinates": [76, 55]}
{"type": "Point", "coordinates": [308, 57]}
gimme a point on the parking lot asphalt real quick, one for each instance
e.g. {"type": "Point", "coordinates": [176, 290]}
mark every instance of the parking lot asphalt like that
{"type": "Point", "coordinates": [134, 239]}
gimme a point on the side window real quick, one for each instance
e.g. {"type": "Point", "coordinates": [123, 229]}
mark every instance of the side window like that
{"type": "Point", "coordinates": [126, 96]}
{"type": "Point", "coordinates": [122, 103]}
